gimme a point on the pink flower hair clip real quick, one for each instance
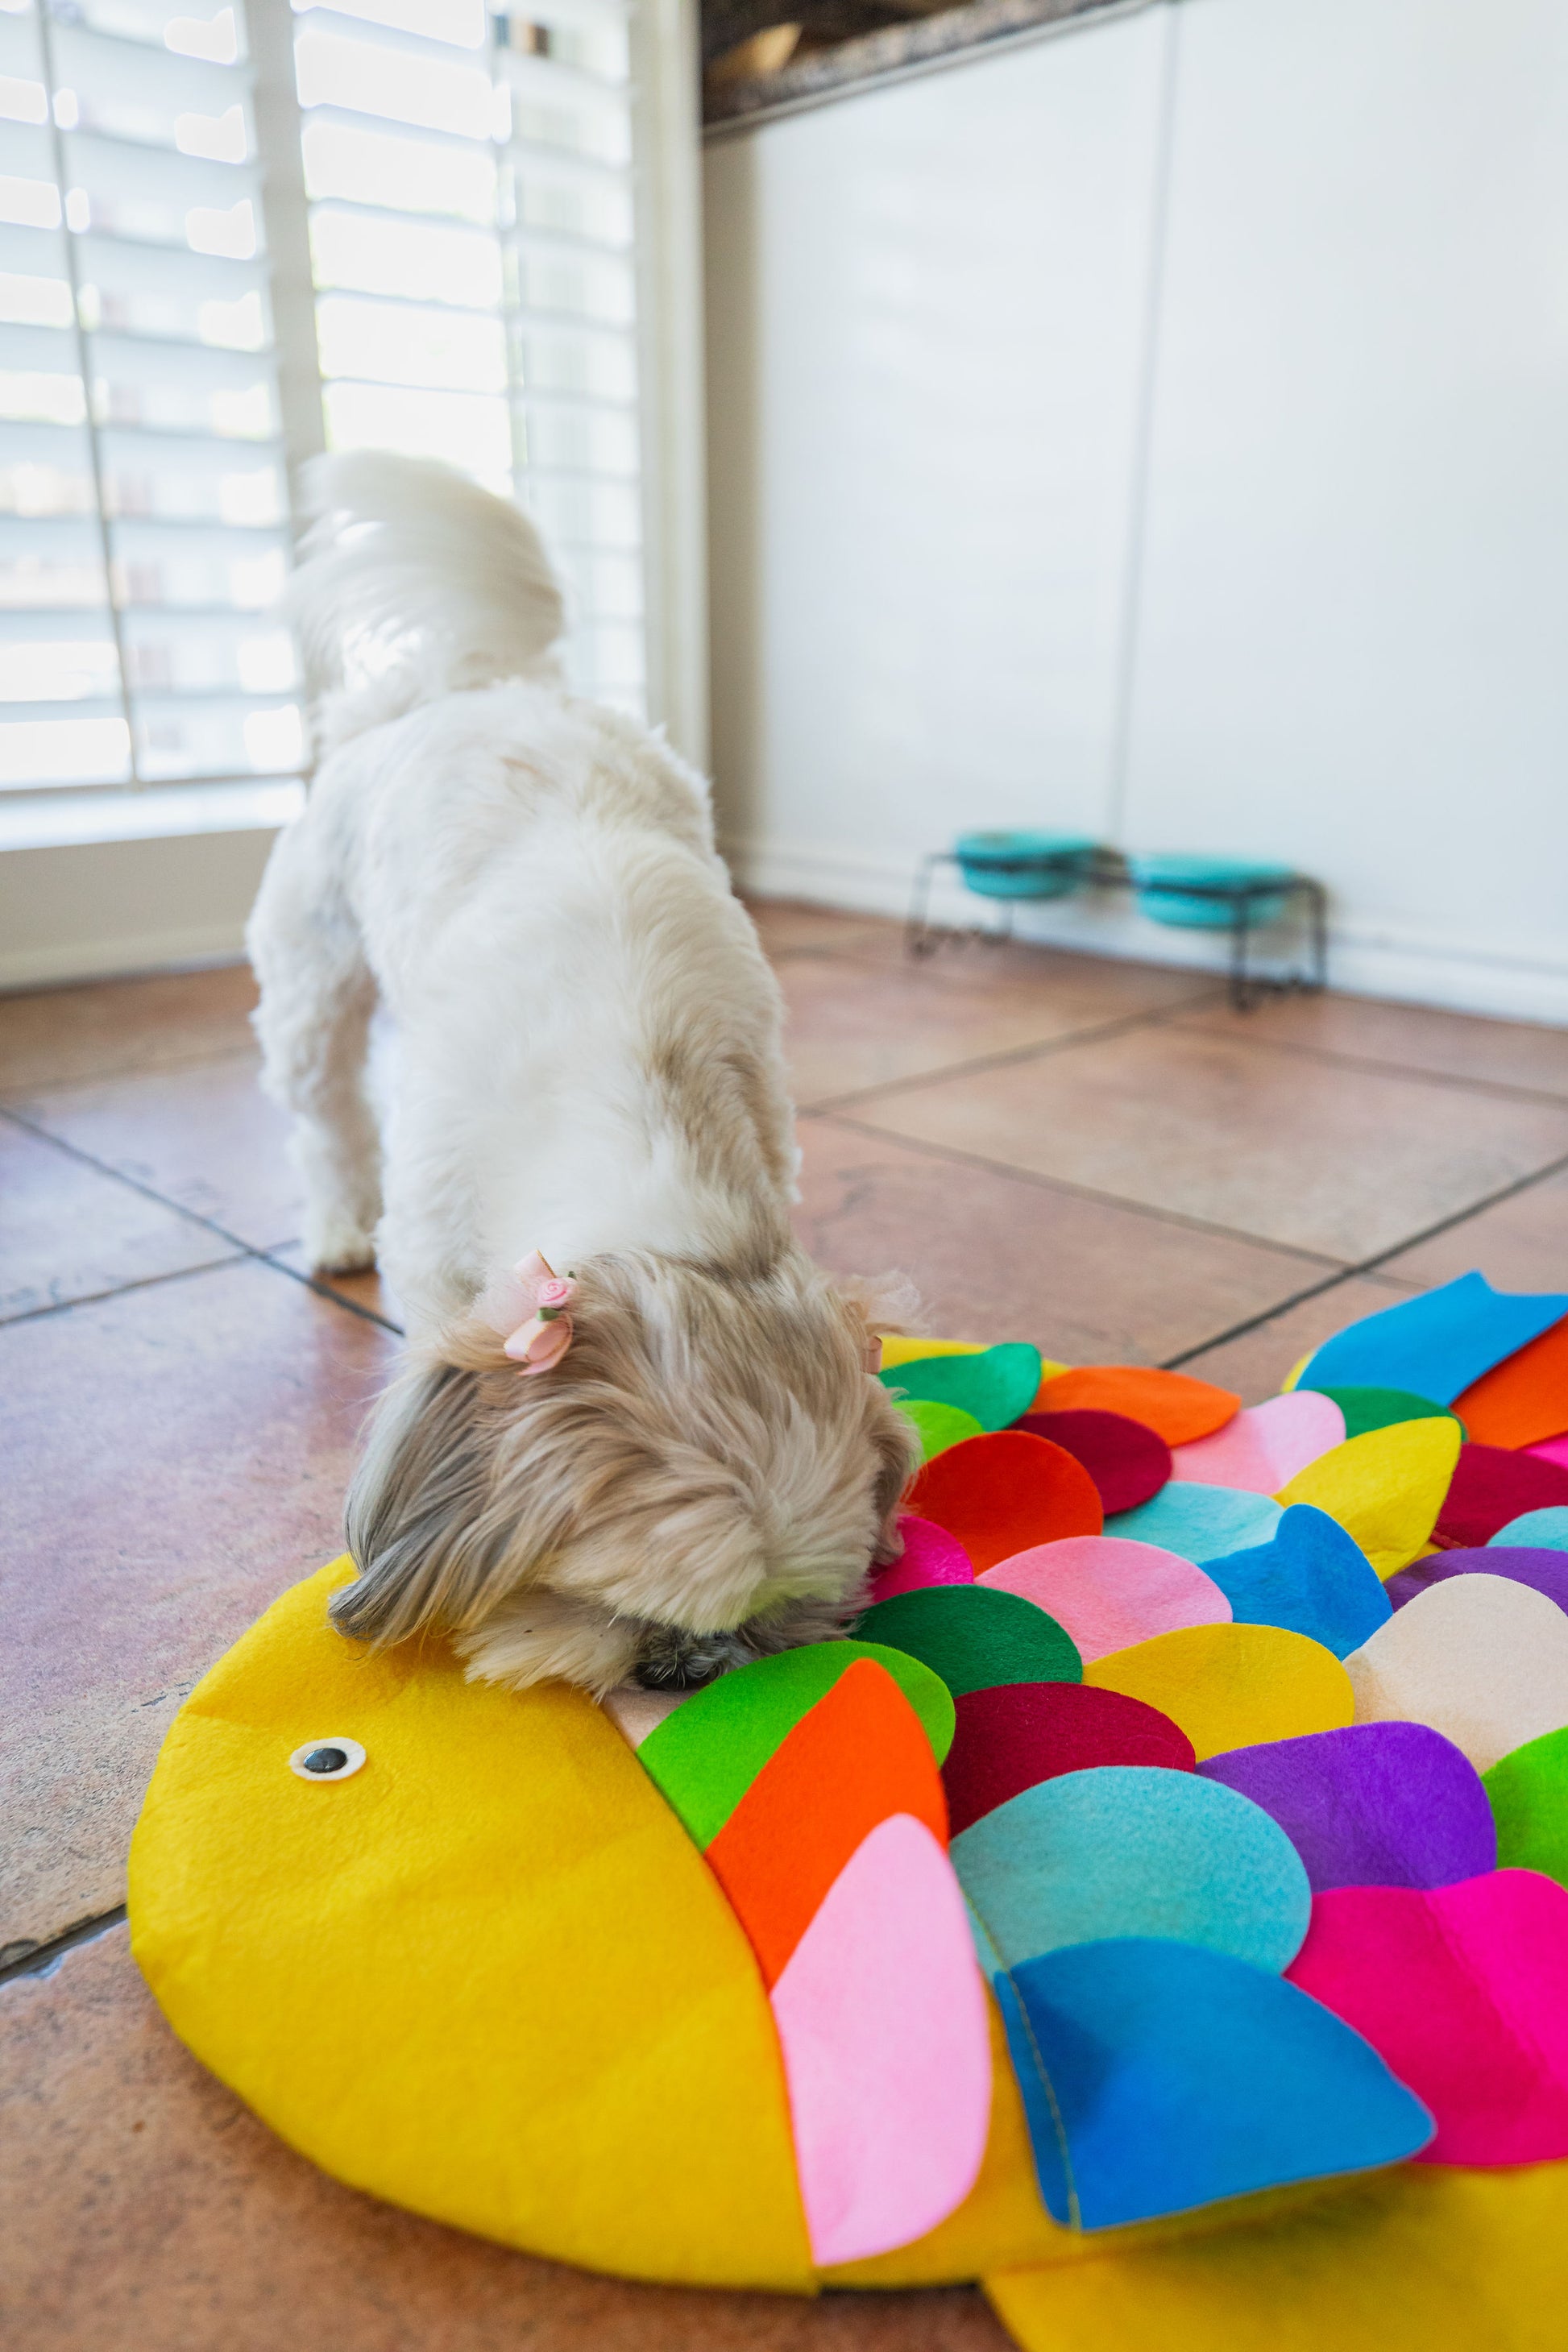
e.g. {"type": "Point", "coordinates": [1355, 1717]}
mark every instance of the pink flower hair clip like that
{"type": "Point", "coordinates": [530, 1308]}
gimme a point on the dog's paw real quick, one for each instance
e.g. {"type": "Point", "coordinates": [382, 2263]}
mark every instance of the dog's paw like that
{"type": "Point", "coordinates": [668, 1659]}
{"type": "Point", "coordinates": [339, 1245]}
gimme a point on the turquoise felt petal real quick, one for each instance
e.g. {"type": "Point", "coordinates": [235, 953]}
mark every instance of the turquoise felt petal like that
{"type": "Point", "coordinates": [1545, 1530]}
{"type": "Point", "coordinates": [1311, 1578]}
{"type": "Point", "coordinates": [995, 1386]}
{"type": "Point", "coordinates": [1199, 1522]}
{"type": "Point", "coordinates": [1134, 1850]}
{"type": "Point", "coordinates": [1435, 1344]}
{"type": "Point", "coordinates": [1158, 2077]}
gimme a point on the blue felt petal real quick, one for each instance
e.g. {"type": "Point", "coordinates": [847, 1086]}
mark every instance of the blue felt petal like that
{"type": "Point", "coordinates": [1435, 1344]}
{"type": "Point", "coordinates": [1198, 1523]}
{"type": "Point", "coordinates": [1134, 1850]}
{"type": "Point", "coordinates": [1157, 2077]}
{"type": "Point", "coordinates": [1545, 1530]}
{"type": "Point", "coordinates": [1311, 1578]}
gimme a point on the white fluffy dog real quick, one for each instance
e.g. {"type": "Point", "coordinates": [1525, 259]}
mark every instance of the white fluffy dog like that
{"type": "Point", "coordinates": [588, 1153]}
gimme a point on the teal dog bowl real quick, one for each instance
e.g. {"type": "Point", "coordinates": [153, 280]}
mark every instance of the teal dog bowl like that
{"type": "Point", "coordinates": [1024, 865]}
{"type": "Point", "coordinates": [1215, 888]}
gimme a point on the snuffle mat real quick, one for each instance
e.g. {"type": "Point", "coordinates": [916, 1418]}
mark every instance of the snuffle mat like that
{"type": "Point", "coordinates": [1158, 1911]}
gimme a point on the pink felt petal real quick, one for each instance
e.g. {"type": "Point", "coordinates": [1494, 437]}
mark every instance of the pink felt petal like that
{"type": "Point", "coordinates": [1463, 1991]}
{"type": "Point", "coordinates": [1264, 1447]}
{"type": "Point", "coordinates": [1110, 1592]}
{"type": "Point", "coordinates": [930, 1556]}
{"type": "Point", "coordinates": [1551, 1449]}
{"type": "Point", "coordinates": [887, 2052]}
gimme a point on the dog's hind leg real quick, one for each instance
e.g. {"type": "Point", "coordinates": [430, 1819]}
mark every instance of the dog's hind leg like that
{"type": "Point", "coordinates": [314, 1022]}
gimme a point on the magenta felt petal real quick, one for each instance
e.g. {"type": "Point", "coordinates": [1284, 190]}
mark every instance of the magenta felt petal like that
{"type": "Point", "coordinates": [930, 1556]}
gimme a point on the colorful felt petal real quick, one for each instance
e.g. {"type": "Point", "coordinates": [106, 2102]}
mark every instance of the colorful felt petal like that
{"type": "Point", "coordinates": [1438, 1344]}
{"type": "Point", "coordinates": [930, 1556]}
{"type": "Point", "coordinates": [1491, 1488]}
{"type": "Point", "coordinates": [1177, 1407]}
{"type": "Point", "coordinates": [1158, 2077]}
{"type": "Point", "coordinates": [994, 1386]}
{"type": "Point", "coordinates": [1132, 1850]}
{"type": "Point", "coordinates": [1128, 1461]}
{"type": "Point", "coordinates": [1551, 1449]}
{"type": "Point", "coordinates": [1001, 1493]}
{"type": "Point", "coordinates": [1109, 1592]}
{"type": "Point", "coordinates": [1481, 1659]}
{"type": "Point", "coordinates": [1464, 1990]}
{"type": "Point", "coordinates": [972, 1637]}
{"type": "Point", "coordinates": [706, 1755]}
{"type": "Point", "coordinates": [1264, 1445]}
{"type": "Point", "coordinates": [1541, 1531]}
{"type": "Point", "coordinates": [1524, 1398]}
{"type": "Point", "coordinates": [1375, 1804]}
{"type": "Point", "coordinates": [1011, 1736]}
{"type": "Point", "coordinates": [856, 1759]}
{"type": "Point", "coordinates": [904, 1349]}
{"type": "Point", "coordinates": [1366, 1409]}
{"type": "Point", "coordinates": [939, 1426]}
{"type": "Point", "coordinates": [1528, 1793]}
{"type": "Point", "coordinates": [1545, 1571]}
{"type": "Point", "coordinates": [1311, 1577]}
{"type": "Point", "coordinates": [1199, 1522]}
{"type": "Point", "coordinates": [887, 2053]}
{"type": "Point", "coordinates": [1385, 1489]}
{"type": "Point", "coordinates": [1232, 1686]}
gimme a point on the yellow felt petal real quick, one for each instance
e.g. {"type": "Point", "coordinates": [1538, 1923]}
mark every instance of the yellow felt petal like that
{"type": "Point", "coordinates": [1424, 2258]}
{"type": "Point", "coordinates": [1232, 1686]}
{"type": "Point", "coordinates": [1385, 1487]}
{"type": "Point", "coordinates": [914, 1352]}
{"type": "Point", "coordinates": [489, 1977]}
{"type": "Point", "coordinates": [1294, 1374]}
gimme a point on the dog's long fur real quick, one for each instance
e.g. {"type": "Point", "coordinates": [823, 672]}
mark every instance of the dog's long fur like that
{"type": "Point", "coordinates": [587, 1062]}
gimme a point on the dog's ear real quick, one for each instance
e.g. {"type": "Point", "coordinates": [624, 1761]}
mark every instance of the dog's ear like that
{"type": "Point", "coordinates": [415, 1508]}
{"type": "Point", "coordinates": [882, 1304]}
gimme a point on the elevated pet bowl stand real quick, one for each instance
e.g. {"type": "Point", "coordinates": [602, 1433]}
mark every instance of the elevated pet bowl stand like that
{"type": "Point", "coordinates": [1106, 869]}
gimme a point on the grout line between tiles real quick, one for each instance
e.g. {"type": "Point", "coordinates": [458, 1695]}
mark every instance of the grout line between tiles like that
{"type": "Point", "coordinates": [1042, 1050]}
{"type": "Point", "coordinates": [1087, 1192]}
{"type": "Point", "coordinates": [121, 1289]}
{"type": "Point", "coordinates": [1375, 1063]}
{"type": "Point", "coordinates": [238, 1243]}
{"type": "Point", "coordinates": [40, 1957]}
{"type": "Point", "coordinates": [1371, 1265]}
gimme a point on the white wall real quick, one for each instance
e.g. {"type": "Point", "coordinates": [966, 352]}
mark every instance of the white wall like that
{"type": "Point", "coordinates": [1163, 428]}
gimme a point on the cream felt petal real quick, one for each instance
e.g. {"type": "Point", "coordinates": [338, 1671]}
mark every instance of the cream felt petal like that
{"type": "Point", "coordinates": [1481, 1659]}
{"type": "Point", "coordinates": [1385, 1488]}
{"type": "Point", "coordinates": [1109, 1592]}
{"type": "Point", "coordinates": [1232, 1686]}
{"type": "Point", "coordinates": [1264, 1445]}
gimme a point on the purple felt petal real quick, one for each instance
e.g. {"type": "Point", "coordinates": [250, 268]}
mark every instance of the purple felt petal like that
{"type": "Point", "coordinates": [1375, 1804]}
{"type": "Point", "coordinates": [1546, 1571]}
{"type": "Point", "coordinates": [1128, 1461]}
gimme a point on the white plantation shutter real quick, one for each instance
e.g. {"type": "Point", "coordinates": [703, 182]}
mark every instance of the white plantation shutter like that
{"type": "Point", "coordinates": [143, 516]}
{"type": "Point", "coordinates": [482, 193]}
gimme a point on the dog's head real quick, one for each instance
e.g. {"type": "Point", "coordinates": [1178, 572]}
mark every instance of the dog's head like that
{"type": "Point", "coordinates": [709, 1468]}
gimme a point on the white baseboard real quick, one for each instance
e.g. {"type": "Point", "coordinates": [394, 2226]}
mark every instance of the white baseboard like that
{"type": "Point", "coordinates": [99, 908]}
{"type": "Point", "coordinates": [1366, 957]}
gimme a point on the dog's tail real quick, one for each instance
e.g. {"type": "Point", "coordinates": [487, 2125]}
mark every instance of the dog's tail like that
{"type": "Point", "coordinates": [413, 582]}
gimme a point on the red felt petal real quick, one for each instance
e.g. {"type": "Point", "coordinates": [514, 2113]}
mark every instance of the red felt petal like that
{"type": "Point", "coordinates": [1014, 1734]}
{"type": "Point", "coordinates": [1128, 1461]}
{"type": "Point", "coordinates": [1006, 1492]}
{"type": "Point", "coordinates": [1491, 1486]}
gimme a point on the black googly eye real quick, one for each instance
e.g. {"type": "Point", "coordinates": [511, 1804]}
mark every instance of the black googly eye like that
{"type": "Point", "coordinates": [327, 1759]}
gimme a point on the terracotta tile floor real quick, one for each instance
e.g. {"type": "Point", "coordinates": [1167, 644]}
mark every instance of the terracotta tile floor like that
{"type": "Point", "coordinates": [1101, 1157]}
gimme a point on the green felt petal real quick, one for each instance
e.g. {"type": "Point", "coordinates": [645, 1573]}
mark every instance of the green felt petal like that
{"type": "Point", "coordinates": [974, 1637]}
{"type": "Point", "coordinates": [1367, 1408]}
{"type": "Point", "coordinates": [1528, 1793]}
{"type": "Point", "coordinates": [939, 1426]}
{"type": "Point", "coordinates": [995, 1386]}
{"type": "Point", "coordinates": [706, 1755]}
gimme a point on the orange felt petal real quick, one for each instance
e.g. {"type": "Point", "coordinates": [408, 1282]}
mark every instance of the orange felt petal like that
{"type": "Point", "coordinates": [1524, 1398]}
{"type": "Point", "coordinates": [857, 1758]}
{"type": "Point", "coordinates": [1007, 1492]}
{"type": "Point", "coordinates": [1179, 1408]}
